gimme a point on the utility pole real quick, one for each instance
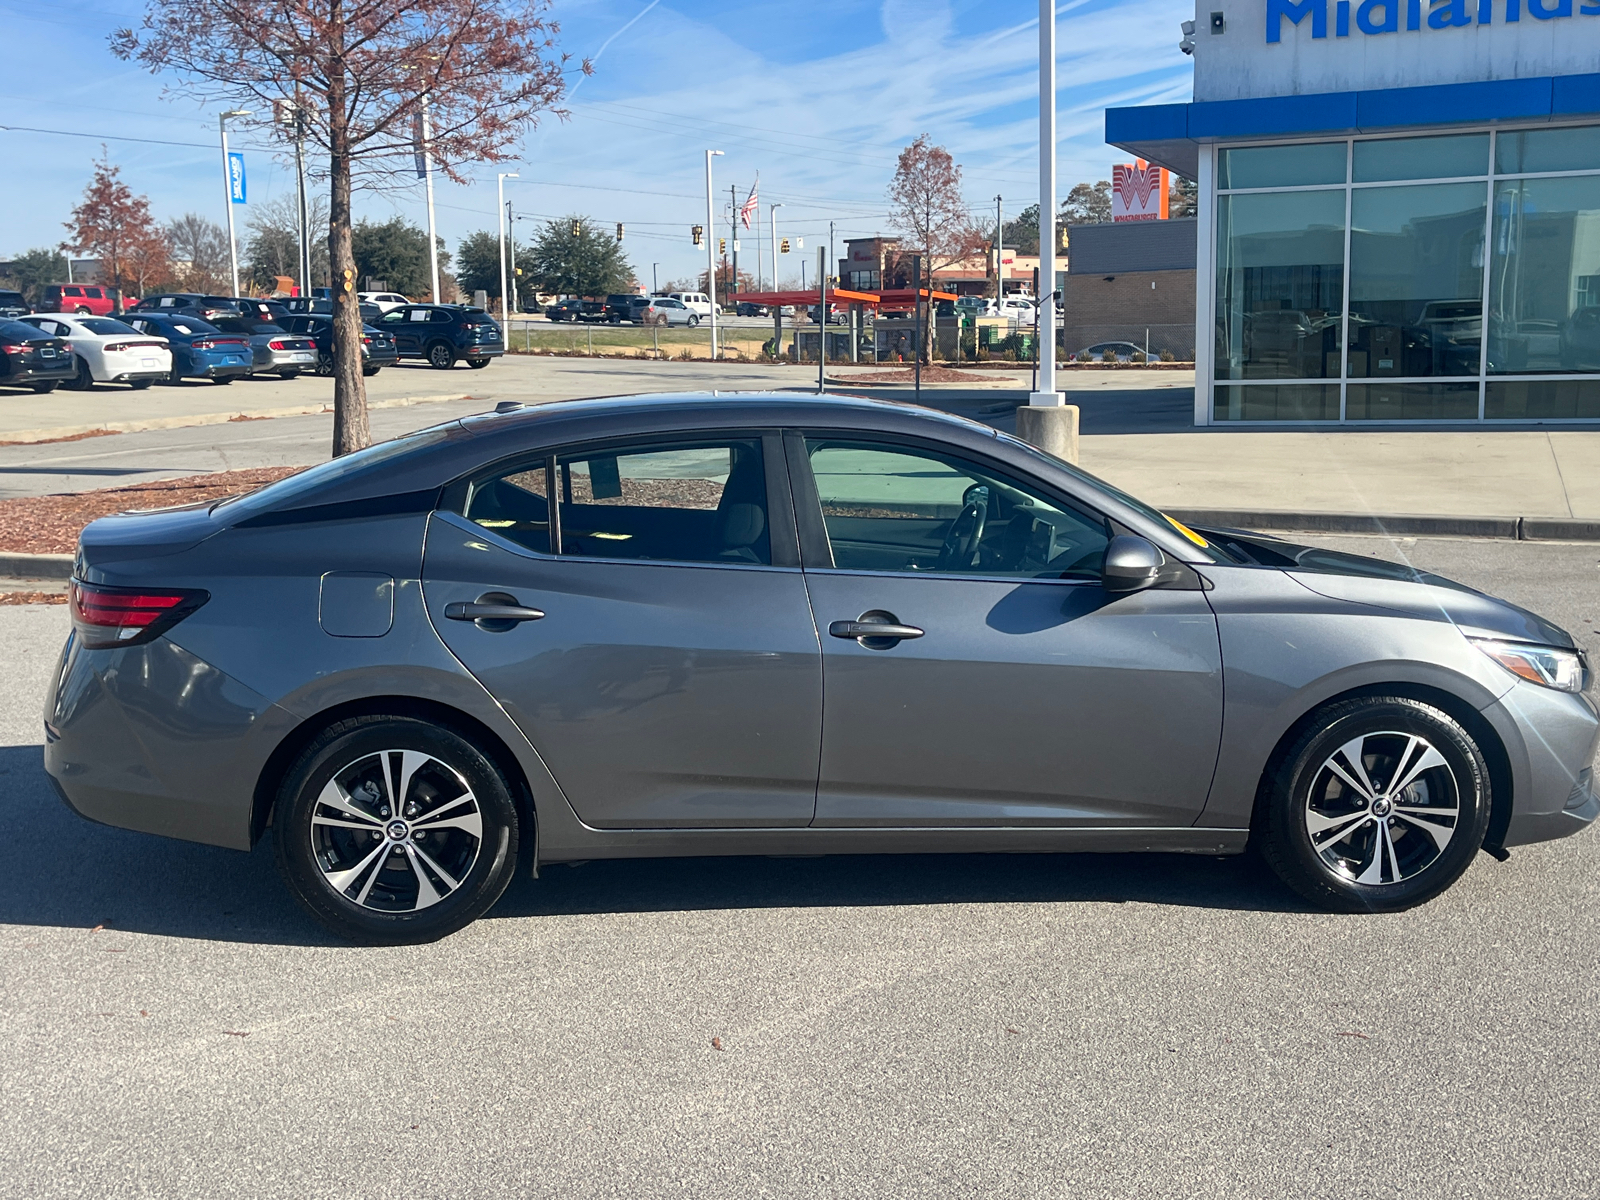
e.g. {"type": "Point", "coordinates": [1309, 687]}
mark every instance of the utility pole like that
{"type": "Point", "coordinates": [227, 188]}
{"type": "Point", "coordinates": [512, 305]}
{"type": "Point", "coordinates": [1046, 396]}
{"type": "Point", "coordinates": [655, 278]}
{"type": "Point", "coordinates": [500, 228]}
{"type": "Point", "coordinates": [733, 240]}
{"type": "Point", "coordinates": [427, 174]}
{"type": "Point", "coordinates": [304, 211]}
{"type": "Point", "coordinates": [916, 310]}
{"type": "Point", "coordinates": [822, 315]}
{"type": "Point", "coordinates": [711, 252]}
{"type": "Point", "coordinates": [773, 211]}
{"type": "Point", "coordinates": [1000, 260]}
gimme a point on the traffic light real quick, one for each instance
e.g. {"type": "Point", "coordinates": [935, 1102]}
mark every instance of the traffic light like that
{"type": "Point", "coordinates": [698, 232]}
{"type": "Point", "coordinates": [619, 231]}
{"type": "Point", "coordinates": [577, 228]}
{"type": "Point", "coordinates": [722, 245]}
{"type": "Point", "coordinates": [783, 246]}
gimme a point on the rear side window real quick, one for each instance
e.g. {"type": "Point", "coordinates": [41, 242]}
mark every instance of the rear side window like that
{"type": "Point", "coordinates": [73, 291]}
{"type": "Point", "coordinates": [93, 293]}
{"type": "Point", "coordinates": [417, 314]}
{"type": "Point", "coordinates": [698, 501]}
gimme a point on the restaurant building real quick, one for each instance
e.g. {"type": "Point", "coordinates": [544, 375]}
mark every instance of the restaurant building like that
{"type": "Point", "coordinates": [1399, 209]}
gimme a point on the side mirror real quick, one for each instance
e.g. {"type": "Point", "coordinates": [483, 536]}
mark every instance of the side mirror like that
{"type": "Point", "coordinates": [1132, 563]}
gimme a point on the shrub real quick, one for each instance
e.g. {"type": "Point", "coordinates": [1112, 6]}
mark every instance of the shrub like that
{"type": "Point", "coordinates": [1167, 356]}
{"type": "Point", "coordinates": [983, 354]}
{"type": "Point", "coordinates": [1108, 356]}
{"type": "Point", "coordinates": [1137, 356]}
{"type": "Point", "coordinates": [686, 355]}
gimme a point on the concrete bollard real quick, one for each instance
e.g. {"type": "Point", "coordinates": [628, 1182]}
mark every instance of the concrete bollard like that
{"type": "Point", "coordinates": [1052, 429]}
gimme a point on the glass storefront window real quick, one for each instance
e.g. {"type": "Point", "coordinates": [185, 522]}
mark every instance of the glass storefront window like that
{"type": "Point", "coordinates": [1411, 402]}
{"type": "Point", "coordinates": [1421, 158]}
{"type": "Point", "coordinates": [1416, 280]}
{"type": "Point", "coordinates": [1542, 399]}
{"type": "Point", "coordinates": [1281, 166]}
{"type": "Point", "coordinates": [1278, 402]}
{"type": "Point", "coordinates": [1576, 148]}
{"type": "Point", "coordinates": [1280, 284]}
{"type": "Point", "coordinates": [1544, 290]}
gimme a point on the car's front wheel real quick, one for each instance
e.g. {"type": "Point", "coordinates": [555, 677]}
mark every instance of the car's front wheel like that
{"type": "Point", "coordinates": [287, 375]}
{"type": "Point", "coordinates": [392, 830]}
{"type": "Point", "coordinates": [694, 319]}
{"type": "Point", "coordinates": [324, 367]}
{"type": "Point", "coordinates": [1378, 805]}
{"type": "Point", "coordinates": [44, 388]}
{"type": "Point", "coordinates": [139, 385]}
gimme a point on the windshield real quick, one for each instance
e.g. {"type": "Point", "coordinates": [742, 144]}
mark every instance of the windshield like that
{"type": "Point", "coordinates": [193, 326]}
{"type": "Point", "coordinates": [106, 325]}
{"type": "Point", "coordinates": [287, 492]}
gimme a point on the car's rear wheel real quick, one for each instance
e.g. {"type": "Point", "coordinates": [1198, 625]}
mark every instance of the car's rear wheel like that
{"type": "Point", "coordinates": [477, 364]}
{"type": "Point", "coordinates": [44, 388]}
{"type": "Point", "coordinates": [442, 356]}
{"type": "Point", "coordinates": [325, 366]}
{"type": "Point", "coordinates": [370, 371]}
{"type": "Point", "coordinates": [139, 385]}
{"type": "Point", "coordinates": [694, 319]}
{"type": "Point", "coordinates": [1378, 805]}
{"type": "Point", "coordinates": [83, 312]}
{"type": "Point", "coordinates": [83, 381]}
{"type": "Point", "coordinates": [288, 374]}
{"type": "Point", "coordinates": [391, 830]}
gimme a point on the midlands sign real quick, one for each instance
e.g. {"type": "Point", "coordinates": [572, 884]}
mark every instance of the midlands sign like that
{"type": "Point", "coordinates": [1386, 16]}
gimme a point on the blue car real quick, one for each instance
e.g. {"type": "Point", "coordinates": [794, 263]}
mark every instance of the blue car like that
{"type": "Point", "coordinates": [199, 349]}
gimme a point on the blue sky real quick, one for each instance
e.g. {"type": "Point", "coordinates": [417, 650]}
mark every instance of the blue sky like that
{"type": "Point", "coordinates": [819, 100]}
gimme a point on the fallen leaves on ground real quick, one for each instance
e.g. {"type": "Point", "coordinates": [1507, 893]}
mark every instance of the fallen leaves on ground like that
{"type": "Point", "coordinates": [51, 524]}
{"type": "Point", "coordinates": [716, 1043]}
{"type": "Point", "coordinates": [929, 375]}
{"type": "Point", "coordinates": [33, 597]}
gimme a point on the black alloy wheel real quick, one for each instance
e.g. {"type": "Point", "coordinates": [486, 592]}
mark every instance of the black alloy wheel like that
{"type": "Point", "coordinates": [392, 830]}
{"type": "Point", "coordinates": [1378, 805]}
{"type": "Point", "coordinates": [83, 381]}
{"type": "Point", "coordinates": [441, 355]}
{"type": "Point", "coordinates": [324, 365]}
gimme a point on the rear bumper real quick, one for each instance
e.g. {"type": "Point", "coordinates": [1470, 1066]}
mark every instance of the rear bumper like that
{"type": "Point", "coordinates": [496, 351]}
{"type": "Point", "coordinates": [24, 376]}
{"type": "Point", "coordinates": [292, 360]}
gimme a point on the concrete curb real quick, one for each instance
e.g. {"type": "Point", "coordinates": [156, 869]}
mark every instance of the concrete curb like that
{"type": "Point", "coordinates": [1522, 529]}
{"type": "Point", "coordinates": [60, 432]}
{"type": "Point", "coordinates": [35, 566]}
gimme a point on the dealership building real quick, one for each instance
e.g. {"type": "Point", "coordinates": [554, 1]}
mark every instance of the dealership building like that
{"type": "Point", "coordinates": [1399, 209]}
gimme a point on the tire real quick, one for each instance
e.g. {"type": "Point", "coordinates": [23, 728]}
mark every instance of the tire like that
{"type": "Point", "coordinates": [222, 380]}
{"type": "Point", "coordinates": [1331, 830]}
{"type": "Point", "coordinates": [44, 389]}
{"type": "Point", "coordinates": [694, 319]}
{"type": "Point", "coordinates": [83, 312]}
{"type": "Point", "coordinates": [442, 356]}
{"type": "Point", "coordinates": [324, 367]}
{"type": "Point", "coordinates": [83, 381]}
{"type": "Point", "coordinates": [139, 385]}
{"type": "Point", "coordinates": [175, 376]}
{"type": "Point", "coordinates": [287, 375]}
{"type": "Point", "coordinates": [369, 372]}
{"type": "Point", "coordinates": [477, 364]}
{"type": "Point", "coordinates": [394, 888]}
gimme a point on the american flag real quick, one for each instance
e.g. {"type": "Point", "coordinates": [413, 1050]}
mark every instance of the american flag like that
{"type": "Point", "coordinates": [751, 208]}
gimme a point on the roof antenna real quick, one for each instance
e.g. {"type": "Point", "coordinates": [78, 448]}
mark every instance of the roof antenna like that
{"type": "Point", "coordinates": [506, 406]}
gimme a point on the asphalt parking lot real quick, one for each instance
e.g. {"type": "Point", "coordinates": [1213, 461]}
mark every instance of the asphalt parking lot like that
{"type": "Point", "coordinates": [926, 1026]}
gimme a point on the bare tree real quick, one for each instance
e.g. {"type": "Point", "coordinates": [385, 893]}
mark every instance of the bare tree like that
{"type": "Point", "coordinates": [927, 208]}
{"type": "Point", "coordinates": [203, 245]}
{"type": "Point", "coordinates": [360, 70]}
{"type": "Point", "coordinates": [274, 245]}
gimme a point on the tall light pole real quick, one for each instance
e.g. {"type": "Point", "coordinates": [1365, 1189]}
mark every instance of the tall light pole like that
{"type": "Point", "coordinates": [427, 175]}
{"type": "Point", "coordinates": [511, 275]}
{"type": "Point", "coordinates": [1000, 260]}
{"type": "Point", "coordinates": [655, 278]}
{"type": "Point", "coordinates": [773, 214]}
{"type": "Point", "coordinates": [500, 225]}
{"type": "Point", "coordinates": [711, 251]}
{"type": "Point", "coordinates": [1047, 396]}
{"type": "Point", "coordinates": [227, 190]}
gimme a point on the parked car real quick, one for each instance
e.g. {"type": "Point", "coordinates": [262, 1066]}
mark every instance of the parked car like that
{"type": "Point", "coordinates": [321, 304]}
{"type": "Point", "coordinates": [383, 300]}
{"type": "Point", "coordinates": [263, 308]}
{"type": "Point", "coordinates": [576, 309]}
{"type": "Point", "coordinates": [106, 350]}
{"type": "Point", "coordinates": [77, 298]}
{"type": "Point", "coordinates": [746, 309]}
{"type": "Point", "coordinates": [663, 310]}
{"type": "Point", "coordinates": [1124, 351]}
{"type": "Point", "coordinates": [275, 350]}
{"type": "Point", "coordinates": [199, 349]}
{"type": "Point", "coordinates": [207, 308]}
{"type": "Point", "coordinates": [13, 304]}
{"type": "Point", "coordinates": [618, 306]}
{"type": "Point", "coordinates": [696, 302]}
{"type": "Point", "coordinates": [405, 660]}
{"type": "Point", "coordinates": [443, 333]}
{"type": "Point", "coordinates": [33, 359]}
{"type": "Point", "coordinates": [377, 346]}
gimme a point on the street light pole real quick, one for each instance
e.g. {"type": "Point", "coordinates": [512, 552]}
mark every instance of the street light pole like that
{"type": "Point", "coordinates": [1000, 260]}
{"type": "Point", "coordinates": [655, 278]}
{"type": "Point", "coordinates": [711, 251]}
{"type": "Point", "coordinates": [227, 190]}
{"type": "Point", "coordinates": [1046, 396]}
{"type": "Point", "coordinates": [773, 212]}
{"type": "Point", "coordinates": [511, 245]}
{"type": "Point", "coordinates": [500, 227]}
{"type": "Point", "coordinates": [427, 175]}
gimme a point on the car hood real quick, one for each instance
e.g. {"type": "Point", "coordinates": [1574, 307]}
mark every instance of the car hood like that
{"type": "Point", "coordinates": [1399, 588]}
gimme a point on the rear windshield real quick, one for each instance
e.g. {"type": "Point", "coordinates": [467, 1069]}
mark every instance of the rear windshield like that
{"type": "Point", "coordinates": [287, 493]}
{"type": "Point", "coordinates": [106, 325]}
{"type": "Point", "coordinates": [18, 331]}
{"type": "Point", "coordinates": [192, 325]}
{"type": "Point", "coordinates": [11, 298]}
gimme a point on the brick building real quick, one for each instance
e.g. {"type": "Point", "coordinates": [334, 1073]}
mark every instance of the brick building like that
{"type": "Point", "coordinates": [1129, 281]}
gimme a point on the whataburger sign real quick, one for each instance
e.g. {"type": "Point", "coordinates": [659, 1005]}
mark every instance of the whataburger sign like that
{"type": "Point", "coordinates": [1385, 16]}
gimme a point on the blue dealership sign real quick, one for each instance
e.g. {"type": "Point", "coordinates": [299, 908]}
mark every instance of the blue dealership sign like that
{"type": "Point", "coordinates": [1384, 16]}
{"type": "Point", "coordinates": [236, 177]}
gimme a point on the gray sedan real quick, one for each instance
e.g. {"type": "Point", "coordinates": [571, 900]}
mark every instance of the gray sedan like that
{"type": "Point", "coordinates": [767, 624]}
{"type": "Point", "coordinates": [273, 348]}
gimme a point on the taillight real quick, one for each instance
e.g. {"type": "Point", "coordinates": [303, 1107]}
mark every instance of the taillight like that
{"type": "Point", "coordinates": [366, 341]}
{"type": "Point", "coordinates": [205, 345]}
{"type": "Point", "coordinates": [121, 616]}
{"type": "Point", "coordinates": [276, 346]}
{"type": "Point", "coordinates": [9, 348]}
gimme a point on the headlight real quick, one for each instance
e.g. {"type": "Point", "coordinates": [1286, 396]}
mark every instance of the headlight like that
{"type": "Point", "coordinates": [1564, 670]}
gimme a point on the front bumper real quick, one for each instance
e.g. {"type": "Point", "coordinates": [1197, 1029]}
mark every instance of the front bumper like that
{"type": "Point", "coordinates": [1550, 738]}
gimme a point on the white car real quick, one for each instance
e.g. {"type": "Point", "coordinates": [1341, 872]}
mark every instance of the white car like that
{"type": "Point", "coordinates": [107, 351]}
{"type": "Point", "coordinates": [386, 301]}
{"type": "Point", "coordinates": [696, 302]}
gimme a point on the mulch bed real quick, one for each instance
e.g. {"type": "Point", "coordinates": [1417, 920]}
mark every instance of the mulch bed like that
{"type": "Point", "coordinates": [33, 598]}
{"type": "Point", "coordinates": [51, 524]}
{"type": "Point", "coordinates": [929, 375]}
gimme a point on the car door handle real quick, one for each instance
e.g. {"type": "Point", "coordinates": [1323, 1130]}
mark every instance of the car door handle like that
{"type": "Point", "coordinates": [476, 610]}
{"type": "Point", "coordinates": [873, 629]}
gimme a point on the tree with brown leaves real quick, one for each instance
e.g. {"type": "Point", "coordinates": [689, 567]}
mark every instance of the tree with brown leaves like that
{"type": "Point", "coordinates": [115, 226]}
{"type": "Point", "coordinates": [927, 208]}
{"type": "Point", "coordinates": [360, 70]}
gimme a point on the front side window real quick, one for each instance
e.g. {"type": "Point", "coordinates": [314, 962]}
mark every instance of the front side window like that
{"type": "Point", "coordinates": [697, 501]}
{"type": "Point", "coordinates": [893, 507]}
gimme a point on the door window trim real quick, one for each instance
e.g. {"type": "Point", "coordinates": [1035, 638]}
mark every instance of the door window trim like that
{"type": "Point", "coordinates": [816, 549]}
{"type": "Point", "coordinates": [783, 540]}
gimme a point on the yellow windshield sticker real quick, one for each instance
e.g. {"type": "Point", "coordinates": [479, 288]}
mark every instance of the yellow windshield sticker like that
{"type": "Point", "coordinates": [613, 537]}
{"type": "Point", "coordinates": [1188, 533]}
